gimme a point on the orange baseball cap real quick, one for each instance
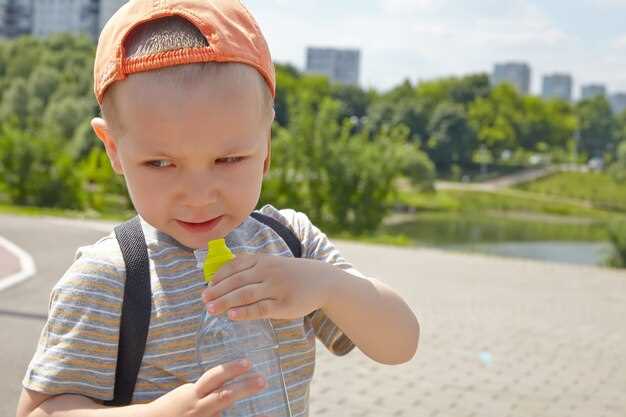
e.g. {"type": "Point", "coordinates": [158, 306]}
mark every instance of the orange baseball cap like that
{"type": "Point", "coordinates": [231, 31]}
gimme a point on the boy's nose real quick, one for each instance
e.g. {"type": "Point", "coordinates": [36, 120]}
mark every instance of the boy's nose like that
{"type": "Point", "coordinates": [200, 191]}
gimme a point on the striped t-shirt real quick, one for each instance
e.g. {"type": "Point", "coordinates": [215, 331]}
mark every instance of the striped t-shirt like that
{"type": "Point", "coordinates": [77, 350]}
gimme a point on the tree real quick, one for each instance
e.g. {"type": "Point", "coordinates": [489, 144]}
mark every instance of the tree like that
{"type": "Point", "coordinates": [597, 127]}
{"type": "Point", "coordinates": [452, 140]}
{"type": "Point", "coordinates": [343, 181]}
{"type": "Point", "coordinates": [63, 116]}
{"type": "Point", "coordinates": [546, 124]}
{"type": "Point", "coordinates": [620, 127]}
{"type": "Point", "coordinates": [43, 82]}
{"type": "Point", "coordinates": [497, 118]}
{"type": "Point", "coordinates": [393, 110]}
{"type": "Point", "coordinates": [354, 100]}
{"type": "Point", "coordinates": [36, 171]}
{"type": "Point", "coordinates": [16, 104]}
{"type": "Point", "coordinates": [464, 90]}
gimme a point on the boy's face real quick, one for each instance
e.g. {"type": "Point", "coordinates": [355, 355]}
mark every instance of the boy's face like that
{"type": "Point", "coordinates": [190, 152]}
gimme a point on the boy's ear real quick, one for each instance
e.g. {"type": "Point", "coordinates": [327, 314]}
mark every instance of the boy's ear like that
{"type": "Point", "coordinates": [103, 132]}
{"type": "Point", "coordinates": [268, 158]}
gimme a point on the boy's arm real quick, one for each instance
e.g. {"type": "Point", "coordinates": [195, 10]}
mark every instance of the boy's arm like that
{"type": "Point", "coordinates": [35, 404]}
{"type": "Point", "coordinates": [373, 316]}
{"type": "Point", "coordinates": [206, 397]}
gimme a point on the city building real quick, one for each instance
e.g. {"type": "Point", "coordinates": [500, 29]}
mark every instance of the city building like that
{"type": "Point", "coordinates": [74, 16]}
{"type": "Point", "coordinates": [514, 73]}
{"type": "Point", "coordinates": [107, 9]}
{"type": "Point", "coordinates": [592, 90]}
{"type": "Point", "coordinates": [340, 65]}
{"type": "Point", "coordinates": [557, 86]}
{"type": "Point", "coordinates": [16, 18]}
{"type": "Point", "coordinates": [618, 102]}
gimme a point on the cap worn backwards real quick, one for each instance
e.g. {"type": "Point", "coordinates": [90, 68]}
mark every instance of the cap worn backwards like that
{"type": "Point", "coordinates": [230, 30]}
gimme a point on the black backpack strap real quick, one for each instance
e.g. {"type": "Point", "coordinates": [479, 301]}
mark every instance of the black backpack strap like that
{"type": "Point", "coordinates": [136, 308]}
{"type": "Point", "coordinates": [286, 233]}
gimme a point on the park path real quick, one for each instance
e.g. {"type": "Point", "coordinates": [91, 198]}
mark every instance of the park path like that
{"type": "Point", "coordinates": [500, 337]}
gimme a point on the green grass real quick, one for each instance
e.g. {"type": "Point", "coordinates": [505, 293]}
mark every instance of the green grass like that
{"type": "Point", "coordinates": [72, 214]}
{"type": "Point", "coordinates": [506, 200]}
{"type": "Point", "coordinates": [597, 188]}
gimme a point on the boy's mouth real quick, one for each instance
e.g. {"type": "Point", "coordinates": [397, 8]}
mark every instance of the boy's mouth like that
{"type": "Point", "coordinates": [200, 226]}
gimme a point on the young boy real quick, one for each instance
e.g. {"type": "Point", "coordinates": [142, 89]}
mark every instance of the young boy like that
{"type": "Point", "coordinates": [186, 90]}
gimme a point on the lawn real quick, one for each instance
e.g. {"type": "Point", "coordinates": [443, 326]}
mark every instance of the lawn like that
{"type": "Point", "coordinates": [597, 188]}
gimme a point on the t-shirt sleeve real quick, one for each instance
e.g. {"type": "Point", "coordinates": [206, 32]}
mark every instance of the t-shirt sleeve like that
{"type": "Point", "coordinates": [316, 245]}
{"type": "Point", "coordinates": [77, 348]}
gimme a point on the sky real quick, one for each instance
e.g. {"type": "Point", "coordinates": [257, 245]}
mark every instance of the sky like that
{"type": "Point", "coordinates": [428, 39]}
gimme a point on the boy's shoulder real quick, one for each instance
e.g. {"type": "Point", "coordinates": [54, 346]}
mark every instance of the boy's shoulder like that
{"type": "Point", "coordinates": [297, 221]}
{"type": "Point", "coordinates": [98, 266]}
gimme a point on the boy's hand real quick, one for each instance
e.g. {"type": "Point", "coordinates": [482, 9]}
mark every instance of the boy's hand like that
{"type": "Point", "coordinates": [207, 397]}
{"type": "Point", "coordinates": [254, 286]}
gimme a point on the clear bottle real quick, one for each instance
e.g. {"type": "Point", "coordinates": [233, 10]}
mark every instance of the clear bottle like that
{"type": "Point", "coordinates": [221, 340]}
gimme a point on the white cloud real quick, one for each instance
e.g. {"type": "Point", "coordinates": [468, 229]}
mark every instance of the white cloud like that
{"type": "Point", "coordinates": [620, 42]}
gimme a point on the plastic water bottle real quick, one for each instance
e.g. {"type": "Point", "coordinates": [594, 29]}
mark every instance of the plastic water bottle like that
{"type": "Point", "coordinates": [221, 340]}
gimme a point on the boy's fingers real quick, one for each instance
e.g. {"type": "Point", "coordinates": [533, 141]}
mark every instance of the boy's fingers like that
{"type": "Point", "coordinates": [225, 397]}
{"type": "Point", "coordinates": [241, 262]}
{"type": "Point", "coordinates": [260, 310]}
{"type": "Point", "coordinates": [239, 280]}
{"type": "Point", "coordinates": [239, 297]}
{"type": "Point", "coordinates": [218, 376]}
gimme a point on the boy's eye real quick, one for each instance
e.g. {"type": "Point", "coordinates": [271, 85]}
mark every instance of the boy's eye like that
{"type": "Point", "coordinates": [159, 164]}
{"type": "Point", "coordinates": [232, 159]}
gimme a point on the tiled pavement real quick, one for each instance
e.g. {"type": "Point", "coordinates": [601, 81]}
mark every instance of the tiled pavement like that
{"type": "Point", "coordinates": [500, 338]}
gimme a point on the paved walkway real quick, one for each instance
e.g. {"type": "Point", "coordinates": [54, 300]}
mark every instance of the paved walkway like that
{"type": "Point", "coordinates": [500, 337]}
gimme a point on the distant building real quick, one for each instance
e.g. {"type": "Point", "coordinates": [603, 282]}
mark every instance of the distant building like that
{"type": "Point", "coordinates": [592, 90]}
{"type": "Point", "coordinates": [557, 86]}
{"type": "Point", "coordinates": [340, 65]}
{"type": "Point", "coordinates": [515, 73]}
{"type": "Point", "coordinates": [73, 16]}
{"type": "Point", "coordinates": [618, 102]}
{"type": "Point", "coordinates": [107, 9]}
{"type": "Point", "coordinates": [16, 18]}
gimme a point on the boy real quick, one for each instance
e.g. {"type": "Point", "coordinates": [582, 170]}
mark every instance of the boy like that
{"type": "Point", "coordinates": [186, 91]}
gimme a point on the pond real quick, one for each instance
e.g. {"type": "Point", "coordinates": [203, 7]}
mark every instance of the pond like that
{"type": "Point", "coordinates": [579, 253]}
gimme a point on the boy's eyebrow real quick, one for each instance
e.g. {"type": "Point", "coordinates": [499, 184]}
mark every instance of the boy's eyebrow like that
{"type": "Point", "coordinates": [228, 151]}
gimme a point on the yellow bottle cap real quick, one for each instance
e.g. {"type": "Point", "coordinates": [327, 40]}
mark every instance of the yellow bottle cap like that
{"type": "Point", "coordinates": [218, 255]}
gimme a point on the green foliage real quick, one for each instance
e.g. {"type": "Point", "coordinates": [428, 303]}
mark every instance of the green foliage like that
{"type": "Point", "coordinates": [337, 150]}
{"type": "Point", "coordinates": [399, 107]}
{"type": "Point", "coordinates": [597, 126]}
{"type": "Point", "coordinates": [497, 119]}
{"type": "Point", "coordinates": [61, 115]}
{"type": "Point", "coordinates": [35, 171]}
{"type": "Point", "coordinates": [343, 181]}
{"type": "Point", "coordinates": [452, 140]}
{"type": "Point", "coordinates": [463, 91]}
{"type": "Point", "coordinates": [106, 191]}
{"type": "Point", "coordinates": [16, 104]}
{"type": "Point", "coordinates": [617, 237]}
{"type": "Point", "coordinates": [419, 169]}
